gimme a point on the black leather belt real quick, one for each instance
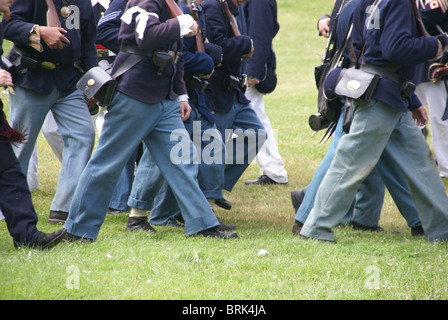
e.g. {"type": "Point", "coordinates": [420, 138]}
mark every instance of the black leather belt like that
{"type": "Point", "coordinates": [388, 72]}
{"type": "Point", "coordinates": [136, 50]}
{"type": "Point", "coordinates": [230, 81]}
{"type": "Point", "coordinates": [384, 72]}
{"type": "Point", "coordinates": [160, 58]}
{"type": "Point", "coordinates": [32, 62]}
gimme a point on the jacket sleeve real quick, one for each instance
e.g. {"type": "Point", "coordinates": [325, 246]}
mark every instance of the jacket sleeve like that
{"type": "Point", "coordinates": [261, 30]}
{"type": "Point", "coordinates": [150, 33]}
{"type": "Point", "coordinates": [18, 26]}
{"type": "Point", "coordinates": [233, 48]}
{"type": "Point", "coordinates": [214, 51]}
{"type": "Point", "coordinates": [414, 102]}
{"type": "Point", "coordinates": [401, 46]}
{"type": "Point", "coordinates": [109, 26]}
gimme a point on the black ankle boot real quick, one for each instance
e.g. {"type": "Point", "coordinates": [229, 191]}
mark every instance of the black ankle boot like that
{"type": "Point", "coordinates": [215, 233]}
{"type": "Point", "coordinates": [135, 224]}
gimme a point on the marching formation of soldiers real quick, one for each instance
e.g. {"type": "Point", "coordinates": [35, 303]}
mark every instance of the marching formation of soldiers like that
{"type": "Point", "coordinates": [198, 70]}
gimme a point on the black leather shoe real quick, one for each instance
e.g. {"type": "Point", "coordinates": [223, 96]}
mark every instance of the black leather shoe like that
{"type": "Point", "coordinates": [49, 240]}
{"type": "Point", "coordinates": [263, 179]}
{"type": "Point", "coordinates": [72, 238]}
{"type": "Point", "coordinates": [223, 203]}
{"type": "Point", "coordinates": [135, 224]}
{"type": "Point", "coordinates": [417, 231]}
{"type": "Point", "coordinates": [225, 227]}
{"type": "Point", "coordinates": [215, 233]}
{"type": "Point", "coordinates": [357, 226]}
{"type": "Point", "coordinates": [296, 228]}
{"type": "Point", "coordinates": [297, 199]}
{"type": "Point", "coordinates": [57, 217]}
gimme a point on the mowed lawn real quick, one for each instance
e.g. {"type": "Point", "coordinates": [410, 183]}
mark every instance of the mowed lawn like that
{"type": "Point", "coordinates": [266, 262]}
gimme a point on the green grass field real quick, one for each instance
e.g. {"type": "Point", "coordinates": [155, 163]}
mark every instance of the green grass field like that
{"type": "Point", "coordinates": [167, 265]}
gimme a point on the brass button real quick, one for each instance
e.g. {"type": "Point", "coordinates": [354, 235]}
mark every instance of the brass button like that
{"type": "Point", "coordinates": [65, 12]}
{"type": "Point", "coordinates": [353, 85]}
{"type": "Point", "coordinates": [91, 82]}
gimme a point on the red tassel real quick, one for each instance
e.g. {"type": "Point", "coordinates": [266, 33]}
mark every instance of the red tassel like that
{"type": "Point", "coordinates": [8, 134]}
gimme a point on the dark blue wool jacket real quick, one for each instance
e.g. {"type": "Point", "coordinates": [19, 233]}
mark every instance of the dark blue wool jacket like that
{"type": "Point", "coordinates": [25, 14]}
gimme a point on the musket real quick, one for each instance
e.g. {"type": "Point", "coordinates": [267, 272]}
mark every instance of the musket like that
{"type": "Point", "coordinates": [193, 8]}
{"type": "Point", "coordinates": [329, 49]}
{"type": "Point", "coordinates": [174, 8]}
{"type": "Point", "coordinates": [418, 18]}
{"type": "Point", "coordinates": [52, 15]}
{"type": "Point", "coordinates": [230, 17]}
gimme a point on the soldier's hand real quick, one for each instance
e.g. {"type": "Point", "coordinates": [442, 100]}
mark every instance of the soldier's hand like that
{"type": "Point", "coordinates": [323, 25]}
{"type": "Point", "coordinates": [185, 110]}
{"type": "Point", "coordinates": [420, 116]}
{"type": "Point", "coordinates": [5, 79]}
{"type": "Point", "coordinates": [194, 29]}
{"type": "Point", "coordinates": [92, 105]}
{"type": "Point", "coordinates": [54, 37]}
{"type": "Point", "coordinates": [252, 81]}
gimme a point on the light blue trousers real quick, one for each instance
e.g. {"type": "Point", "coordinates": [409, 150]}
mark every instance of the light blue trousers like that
{"type": "Point", "coordinates": [374, 126]}
{"type": "Point", "coordinates": [28, 111]}
{"type": "Point", "coordinates": [123, 188]}
{"type": "Point", "coordinates": [127, 123]}
{"type": "Point", "coordinates": [370, 195]}
{"type": "Point", "coordinates": [151, 192]}
{"type": "Point", "coordinates": [243, 121]}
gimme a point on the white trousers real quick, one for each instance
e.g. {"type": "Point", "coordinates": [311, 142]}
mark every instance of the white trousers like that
{"type": "Point", "coordinates": [268, 157]}
{"type": "Point", "coordinates": [434, 96]}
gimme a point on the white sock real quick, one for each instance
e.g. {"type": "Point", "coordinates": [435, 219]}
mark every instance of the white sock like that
{"type": "Point", "coordinates": [138, 213]}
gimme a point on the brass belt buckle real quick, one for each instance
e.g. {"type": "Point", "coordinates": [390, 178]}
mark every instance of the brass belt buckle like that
{"type": "Point", "coordinates": [48, 65]}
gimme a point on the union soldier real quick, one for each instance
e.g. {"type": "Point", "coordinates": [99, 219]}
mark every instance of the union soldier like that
{"type": "Point", "coordinates": [149, 193]}
{"type": "Point", "coordinates": [385, 119]}
{"type": "Point", "coordinates": [432, 91]}
{"type": "Point", "coordinates": [49, 55]}
{"type": "Point", "coordinates": [262, 27]}
{"type": "Point", "coordinates": [225, 93]}
{"type": "Point", "coordinates": [15, 197]}
{"type": "Point", "coordinates": [145, 107]}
